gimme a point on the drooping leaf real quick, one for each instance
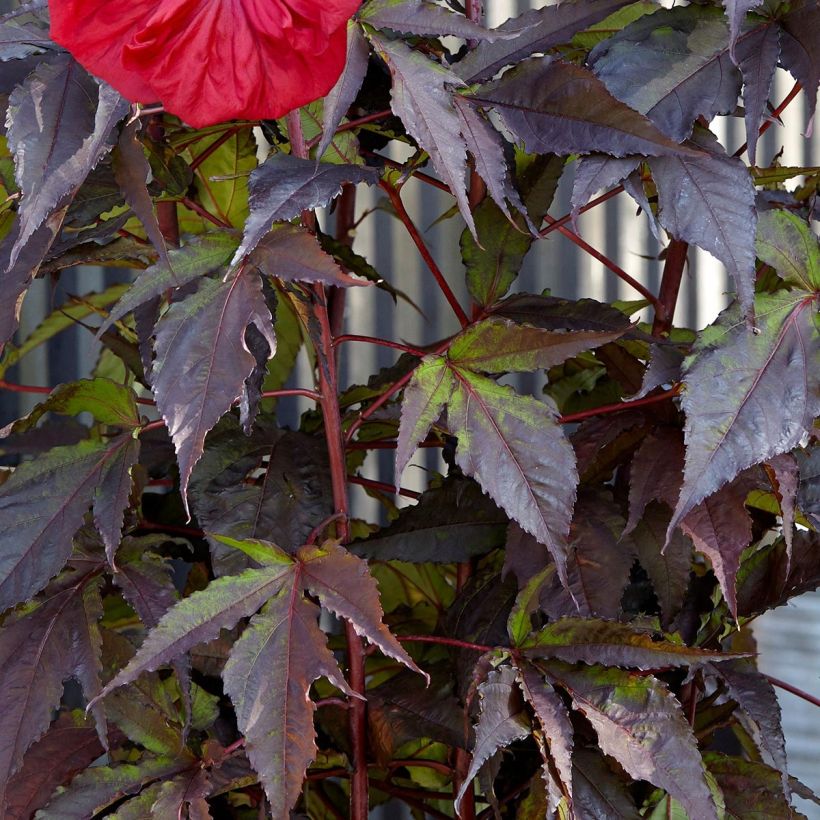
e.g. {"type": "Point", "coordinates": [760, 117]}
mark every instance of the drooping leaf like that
{"type": "Point", "coordinates": [112, 494]}
{"type": "Point", "coordinates": [451, 522]}
{"type": "Point", "coordinates": [38, 651]}
{"type": "Point", "coordinates": [708, 201]}
{"type": "Point", "coordinates": [423, 18]}
{"type": "Point", "coordinates": [284, 651]}
{"type": "Point", "coordinates": [534, 103]}
{"type": "Point", "coordinates": [131, 170]}
{"type": "Point", "coordinates": [749, 396]}
{"type": "Point", "coordinates": [501, 346]}
{"type": "Point", "coordinates": [43, 504]}
{"type": "Point", "coordinates": [69, 746]}
{"type": "Point", "coordinates": [662, 751]}
{"type": "Point", "coordinates": [23, 32]}
{"type": "Point", "coordinates": [501, 720]}
{"type": "Point", "coordinates": [537, 30]}
{"type": "Point", "coordinates": [424, 399]}
{"type": "Point", "coordinates": [202, 255]}
{"type": "Point", "coordinates": [341, 96]}
{"type": "Point", "coordinates": [594, 173]}
{"type": "Point", "coordinates": [786, 242]}
{"type": "Point", "coordinates": [785, 470]}
{"type": "Point", "coordinates": [286, 185]}
{"type": "Point", "coordinates": [61, 125]}
{"type": "Point", "coordinates": [202, 359]}
{"type": "Point", "coordinates": [421, 99]}
{"type": "Point", "coordinates": [600, 794]}
{"type": "Point", "coordinates": [798, 55]}
{"type": "Point", "coordinates": [293, 254]}
{"type": "Point", "coordinates": [513, 447]}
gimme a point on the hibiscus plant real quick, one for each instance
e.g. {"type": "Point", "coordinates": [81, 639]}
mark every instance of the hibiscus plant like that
{"type": "Point", "coordinates": [558, 624]}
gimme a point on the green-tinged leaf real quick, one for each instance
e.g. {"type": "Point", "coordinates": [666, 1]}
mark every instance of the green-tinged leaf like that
{"type": "Point", "coordinates": [610, 643]}
{"type": "Point", "coordinates": [293, 254]}
{"type": "Point", "coordinates": [424, 18]}
{"type": "Point", "coordinates": [38, 651]}
{"type": "Point", "coordinates": [70, 745]}
{"type": "Point", "coordinates": [200, 617]}
{"type": "Point", "coordinates": [662, 751]}
{"type": "Point", "coordinates": [451, 522]}
{"type": "Point", "coordinates": [344, 585]}
{"type": "Point", "coordinates": [43, 504]}
{"type": "Point", "coordinates": [424, 399]}
{"type": "Point", "coordinates": [786, 242]}
{"type": "Point", "coordinates": [282, 651]}
{"type": "Point", "coordinates": [513, 446]}
{"type": "Point", "coordinates": [184, 796]}
{"type": "Point", "coordinates": [533, 102]}
{"type": "Point", "coordinates": [749, 396]}
{"type": "Point", "coordinates": [285, 185]}
{"type": "Point", "coordinates": [196, 258]}
{"type": "Point", "coordinates": [502, 719]}
{"type": "Point", "coordinates": [203, 360]}
{"type": "Point", "coordinates": [421, 97]}
{"type": "Point", "coordinates": [263, 552]}
{"type": "Point", "coordinates": [100, 786]}
{"type": "Point", "coordinates": [64, 317]}
{"type": "Point", "coordinates": [519, 622]}
{"type": "Point", "coordinates": [536, 30]}
{"type": "Point", "coordinates": [501, 346]}
{"type": "Point", "coordinates": [751, 790]}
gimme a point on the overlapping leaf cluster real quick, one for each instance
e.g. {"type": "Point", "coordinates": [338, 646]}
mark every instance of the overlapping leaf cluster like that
{"type": "Point", "coordinates": [570, 585]}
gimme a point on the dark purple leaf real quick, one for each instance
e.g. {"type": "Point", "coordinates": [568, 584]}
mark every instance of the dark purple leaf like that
{"type": "Point", "coordinates": [663, 751]}
{"type": "Point", "coordinates": [736, 11]}
{"type": "Point", "coordinates": [513, 446]}
{"type": "Point", "coordinates": [524, 557]}
{"type": "Point", "coordinates": [69, 746]}
{"type": "Point", "coordinates": [113, 493]}
{"type": "Point", "coordinates": [252, 389]}
{"type": "Point", "coordinates": [451, 522]}
{"type": "Point", "coordinates": [202, 255]}
{"type": "Point", "coordinates": [721, 528]}
{"type": "Point", "coordinates": [537, 30]}
{"type": "Point", "coordinates": [43, 504]}
{"type": "Point", "coordinates": [708, 201]}
{"type": "Point", "coordinates": [24, 31]}
{"type": "Point", "coordinates": [285, 185]}
{"type": "Point", "coordinates": [808, 491]}
{"type": "Point", "coordinates": [202, 359]}
{"type": "Point", "coordinates": [599, 793]}
{"type": "Point", "coordinates": [798, 49]}
{"type": "Point", "coordinates": [686, 52]}
{"type": "Point", "coordinates": [341, 96]}
{"type": "Point", "coordinates": [131, 170]}
{"type": "Point", "coordinates": [501, 720]}
{"type": "Point", "coordinates": [421, 99]}
{"type": "Point", "coordinates": [594, 173]}
{"type": "Point", "coordinates": [38, 651]}
{"type": "Point", "coordinates": [61, 125]}
{"type": "Point", "coordinates": [184, 796]}
{"type": "Point", "coordinates": [767, 387]}
{"type": "Point", "coordinates": [786, 473]}
{"type": "Point", "coordinates": [750, 789]}
{"type": "Point", "coordinates": [561, 108]}
{"type": "Point", "coordinates": [665, 363]}
{"type": "Point", "coordinates": [425, 19]}
{"type": "Point", "coordinates": [293, 254]}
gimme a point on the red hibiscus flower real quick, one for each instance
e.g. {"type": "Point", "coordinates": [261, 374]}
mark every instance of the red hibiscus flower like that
{"type": "Point", "coordinates": [209, 61]}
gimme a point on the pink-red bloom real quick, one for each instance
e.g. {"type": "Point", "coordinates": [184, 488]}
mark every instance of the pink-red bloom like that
{"type": "Point", "coordinates": [209, 61]}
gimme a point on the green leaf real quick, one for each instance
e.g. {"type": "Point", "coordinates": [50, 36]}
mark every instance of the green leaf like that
{"type": "Point", "coordinates": [767, 383]}
{"type": "Point", "coordinates": [786, 242]}
{"type": "Point", "coordinates": [751, 790]}
{"type": "Point", "coordinates": [519, 622]}
{"type": "Point", "coordinates": [662, 751]}
{"type": "Point", "coordinates": [263, 552]}
{"type": "Point", "coordinates": [501, 346]}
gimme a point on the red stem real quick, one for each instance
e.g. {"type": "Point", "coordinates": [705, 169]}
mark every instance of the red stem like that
{"type": "Point", "coordinates": [620, 406]}
{"type": "Point", "coordinates": [292, 391]}
{"type": "Point", "coordinates": [373, 340]}
{"type": "Point", "coordinates": [191, 205]}
{"type": "Point", "coordinates": [787, 687]}
{"type": "Point", "coordinates": [357, 123]}
{"type": "Point", "coordinates": [670, 287]}
{"type": "Point", "coordinates": [438, 639]}
{"type": "Point", "coordinates": [395, 199]}
{"type": "Point", "coordinates": [557, 224]}
{"type": "Point", "coordinates": [382, 486]}
{"type": "Point", "coordinates": [215, 146]}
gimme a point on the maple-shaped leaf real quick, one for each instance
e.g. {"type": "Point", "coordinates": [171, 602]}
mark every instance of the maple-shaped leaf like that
{"type": "Point", "coordinates": [24, 31]}
{"type": "Point", "coordinates": [70, 745]}
{"type": "Point", "coordinates": [513, 446]}
{"type": "Point", "coordinates": [788, 244]}
{"type": "Point", "coordinates": [43, 504]}
{"type": "Point", "coordinates": [39, 650]}
{"type": "Point", "coordinates": [708, 201]}
{"type": "Point", "coordinates": [451, 522]}
{"type": "Point", "coordinates": [196, 258]}
{"type": "Point", "coordinates": [61, 124]}
{"type": "Point", "coordinates": [798, 52]}
{"type": "Point", "coordinates": [662, 751]}
{"type": "Point", "coordinates": [421, 99]}
{"type": "Point", "coordinates": [501, 346]}
{"type": "Point", "coordinates": [556, 737]}
{"type": "Point", "coordinates": [425, 19]}
{"type": "Point", "coordinates": [338, 100]}
{"type": "Point", "coordinates": [293, 254]}
{"type": "Point", "coordinates": [202, 359]}
{"type": "Point", "coordinates": [535, 30]}
{"type": "Point", "coordinates": [285, 185]}
{"type": "Point", "coordinates": [533, 102]}
{"type": "Point", "coordinates": [502, 719]}
{"type": "Point", "coordinates": [749, 396]}
{"type": "Point", "coordinates": [282, 651]}
{"type": "Point", "coordinates": [600, 793]}
{"type": "Point", "coordinates": [610, 643]}
{"type": "Point", "coordinates": [98, 787]}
